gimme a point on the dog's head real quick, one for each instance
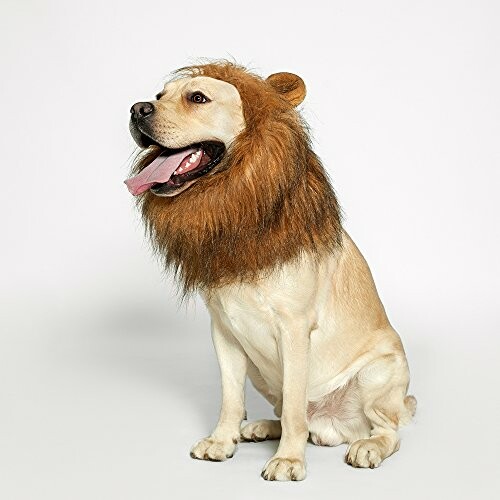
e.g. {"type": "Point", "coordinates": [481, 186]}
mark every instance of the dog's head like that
{"type": "Point", "coordinates": [229, 185]}
{"type": "Point", "coordinates": [189, 128]}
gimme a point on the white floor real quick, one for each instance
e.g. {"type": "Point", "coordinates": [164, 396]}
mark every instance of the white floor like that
{"type": "Point", "coordinates": [104, 382]}
{"type": "Point", "coordinates": [103, 399]}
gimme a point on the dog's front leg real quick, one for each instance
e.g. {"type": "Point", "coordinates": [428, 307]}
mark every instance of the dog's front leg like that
{"type": "Point", "coordinates": [221, 444]}
{"type": "Point", "coordinates": [288, 464]}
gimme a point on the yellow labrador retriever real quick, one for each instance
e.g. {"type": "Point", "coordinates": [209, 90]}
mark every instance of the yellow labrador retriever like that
{"type": "Point", "coordinates": [240, 207]}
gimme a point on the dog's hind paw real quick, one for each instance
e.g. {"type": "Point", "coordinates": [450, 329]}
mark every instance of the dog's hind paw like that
{"type": "Point", "coordinates": [261, 430]}
{"type": "Point", "coordinates": [213, 450]}
{"type": "Point", "coordinates": [364, 453]}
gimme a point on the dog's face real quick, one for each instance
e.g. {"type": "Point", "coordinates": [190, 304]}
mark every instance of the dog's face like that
{"type": "Point", "coordinates": [192, 123]}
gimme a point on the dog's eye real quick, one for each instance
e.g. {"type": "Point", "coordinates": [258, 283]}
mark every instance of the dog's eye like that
{"type": "Point", "coordinates": [198, 98]}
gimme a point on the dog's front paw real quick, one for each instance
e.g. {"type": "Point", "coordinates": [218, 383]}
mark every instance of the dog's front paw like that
{"type": "Point", "coordinates": [213, 449]}
{"type": "Point", "coordinates": [284, 469]}
{"type": "Point", "coordinates": [364, 453]}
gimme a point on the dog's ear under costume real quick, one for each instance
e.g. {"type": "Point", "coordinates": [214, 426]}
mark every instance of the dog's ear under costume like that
{"type": "Point", "coordinates": [291, 87]}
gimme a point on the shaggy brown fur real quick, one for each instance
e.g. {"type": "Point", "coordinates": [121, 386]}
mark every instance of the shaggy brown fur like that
{"type": "Point", "coordinates": [269, 201]}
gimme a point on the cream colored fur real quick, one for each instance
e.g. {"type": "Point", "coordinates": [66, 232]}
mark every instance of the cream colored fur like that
{"type": "Point", "coordinates": [315, 341]}
{"type": "Point", "coordinates": [313, 337]}
{"type": "Point", "coordinates": [221, 119]}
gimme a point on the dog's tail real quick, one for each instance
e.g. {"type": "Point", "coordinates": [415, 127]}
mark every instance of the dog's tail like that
{"type": "Point", "coordinates": [411, 404]}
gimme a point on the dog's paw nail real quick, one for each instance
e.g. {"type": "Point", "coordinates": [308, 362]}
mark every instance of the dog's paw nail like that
{"type": "Point", "coordinates": [284, 469]}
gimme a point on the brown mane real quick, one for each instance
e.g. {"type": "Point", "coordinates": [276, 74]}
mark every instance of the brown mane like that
{"type": "Point", "coordinates": [270, 202]}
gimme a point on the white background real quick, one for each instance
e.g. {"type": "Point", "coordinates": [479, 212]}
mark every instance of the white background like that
{"type": "Point", "coordinates": [105, 381]}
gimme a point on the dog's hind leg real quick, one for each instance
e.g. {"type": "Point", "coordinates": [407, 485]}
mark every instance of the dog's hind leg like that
{"type": "Point", "coordinates": [383, 384]}
{"type": "Point", "coordinates": [338, 417]}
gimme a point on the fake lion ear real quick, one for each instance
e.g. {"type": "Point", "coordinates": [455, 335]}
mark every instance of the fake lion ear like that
{"type": "Point", "coordinates": [291, 87]}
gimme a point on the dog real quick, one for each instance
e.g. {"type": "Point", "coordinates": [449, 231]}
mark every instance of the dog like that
{"type": "Point", "coordinates": [238, 205]}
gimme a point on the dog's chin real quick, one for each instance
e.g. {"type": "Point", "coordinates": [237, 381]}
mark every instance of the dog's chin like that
{"type": "Point", "coordinates": [164, 190]}
{"type": "Point", "coordinates": [211, 153]}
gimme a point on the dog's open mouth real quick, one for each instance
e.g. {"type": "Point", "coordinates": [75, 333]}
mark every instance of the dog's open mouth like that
{"type": "Point", "coordinates": [172, 169]}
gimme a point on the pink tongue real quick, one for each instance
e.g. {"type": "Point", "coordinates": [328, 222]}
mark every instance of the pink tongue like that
{"type": "Point", "coordinates": [159, 170]}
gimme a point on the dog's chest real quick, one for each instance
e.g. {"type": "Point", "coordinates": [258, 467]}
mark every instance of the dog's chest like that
{"type": "Point", "coordinates": [257, 314]}
{"type": "Point", "coordinates": [249, 314]}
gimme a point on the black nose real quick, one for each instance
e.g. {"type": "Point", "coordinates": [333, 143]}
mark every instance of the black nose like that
{"type": "Point", "coordinates": [142, 109]}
